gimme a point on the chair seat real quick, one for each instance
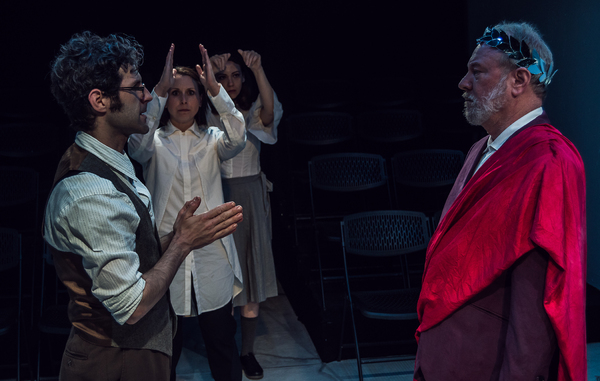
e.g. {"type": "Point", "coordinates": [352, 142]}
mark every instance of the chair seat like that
{"type": "Point", "coordinates": [388, 305]}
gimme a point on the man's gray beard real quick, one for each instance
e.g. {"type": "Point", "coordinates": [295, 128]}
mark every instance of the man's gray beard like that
{"type": "Point", "coordinates": [478, 112]}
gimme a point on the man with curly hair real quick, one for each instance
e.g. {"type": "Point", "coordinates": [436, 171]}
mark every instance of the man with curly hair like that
{"type": "Point", "coordinates": [100, 224]}
{"type": "Point", "coordinates": [503, 295]}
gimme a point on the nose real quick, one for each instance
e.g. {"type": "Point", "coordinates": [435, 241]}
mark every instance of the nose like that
{"type": "Point", "coordinates": [464, 84]}
{"type": "Point", "coordinates": [184, 98]}
{"type": "Point", "coordinates": [229, 81]}
{"type": "Point", "coordinates": [147, 96]}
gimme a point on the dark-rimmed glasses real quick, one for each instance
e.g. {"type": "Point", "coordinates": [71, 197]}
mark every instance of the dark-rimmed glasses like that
{"type": "Point", "coordinates": [142, 89]}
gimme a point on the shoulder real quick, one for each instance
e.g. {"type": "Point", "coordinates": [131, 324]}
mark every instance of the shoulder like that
{"type": "Point", "coordinates": [547, 144]}
{"type": "Point", "coordinates": [85, 191]}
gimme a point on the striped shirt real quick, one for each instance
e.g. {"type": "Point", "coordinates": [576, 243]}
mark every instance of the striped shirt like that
{"type": "Point", "coordinates": [86, 215]}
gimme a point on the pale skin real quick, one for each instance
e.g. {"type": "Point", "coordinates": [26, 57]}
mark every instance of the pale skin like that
{"type": "Point", "coordinates": [254, 62]}
{"type": "Point", "coordinates": [189, 231]}
{"type": "Point", "coordinates": [484, 72]}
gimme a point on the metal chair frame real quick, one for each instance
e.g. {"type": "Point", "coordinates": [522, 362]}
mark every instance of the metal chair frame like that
{"type": "Point", "coordinates": [378, 234]}
{"type": "Point", "coordinates": [343, 172]}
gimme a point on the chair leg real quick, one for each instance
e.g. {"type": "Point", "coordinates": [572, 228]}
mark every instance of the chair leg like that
{"type": "Point", "coordinates": [358, 359]}
{"type": "Point", "coordinates": [320, 269]}
{"type": "Point", "coordinates": [343, 328]}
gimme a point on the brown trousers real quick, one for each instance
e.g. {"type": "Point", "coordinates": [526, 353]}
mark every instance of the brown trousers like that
{"type": "Point", "coordinates": [83, 361]}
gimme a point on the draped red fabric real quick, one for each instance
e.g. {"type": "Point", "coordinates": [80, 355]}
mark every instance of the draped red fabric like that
{"type": "Point", "coordinates": [531, 192]}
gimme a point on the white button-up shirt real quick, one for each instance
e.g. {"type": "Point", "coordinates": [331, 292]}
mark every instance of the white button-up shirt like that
{"type": "Point", "coordinates": [247, 162]}
{"type": "Point", "coordinates": [177, 167]}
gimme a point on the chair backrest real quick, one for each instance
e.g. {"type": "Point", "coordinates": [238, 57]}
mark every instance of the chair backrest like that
{"type": "Point", "coordinates": [347, 172]}
{"type": "Point", "coordinates": [385, 233]}
{"type": "Point", "coordinates": [17, 185]}
{"type": "Point", "coordinates": [319, 128]}
{"type": "Point", "coordinates": [390, 126]}
{"type": "Point", "coordinates": [427, 168]}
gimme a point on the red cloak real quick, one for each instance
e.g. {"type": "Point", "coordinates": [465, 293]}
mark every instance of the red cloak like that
{"type": "Point", "coordinates": [531, 192]}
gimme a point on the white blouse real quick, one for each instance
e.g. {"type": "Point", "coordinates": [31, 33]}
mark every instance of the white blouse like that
{"type": "Point", "coordinates": [247, 162]}
{"type": "Point", "coordinates": [178, 166]}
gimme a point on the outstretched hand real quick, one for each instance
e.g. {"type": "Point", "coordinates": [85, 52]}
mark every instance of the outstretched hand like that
{"type": "Point", "coordinates": [218, 61]}
{"type": "Point", "coordinates": [168, 75]}
{"type": "Point", "coordinates": [197, 231]}
{"type": "Point", "coordinates": [207, 76]}
{"type": "Point", "coordinates": [251, 59]}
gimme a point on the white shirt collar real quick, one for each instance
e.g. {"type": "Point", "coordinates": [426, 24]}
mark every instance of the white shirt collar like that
{"type": "Point", "coordinates": [170, 129]}
{"type": "Point", "coordinates": [510, 130]}
{"type": "Point", "coordinates": [117, 160]}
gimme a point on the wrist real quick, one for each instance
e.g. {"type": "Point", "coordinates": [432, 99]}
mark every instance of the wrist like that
{"type": "Point", "coordinates": [214, 89]}
{"type": "Point", "coordinates": [161, 91]}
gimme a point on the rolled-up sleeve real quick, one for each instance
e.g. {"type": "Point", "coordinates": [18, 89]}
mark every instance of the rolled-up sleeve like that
{"type": "Point", "coordinates": [87, 216]}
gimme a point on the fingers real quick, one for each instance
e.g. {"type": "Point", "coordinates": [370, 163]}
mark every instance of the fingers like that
{"type": "Point", "coordinates": [251, 58]}
{"type": "Point", "coordinates": [190, 207]}
{"type": "Point", "coordinates": [223, 208]}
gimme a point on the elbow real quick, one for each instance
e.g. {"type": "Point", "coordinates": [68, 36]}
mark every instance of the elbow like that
{"type": "Point", "coordinates": [135, 317]}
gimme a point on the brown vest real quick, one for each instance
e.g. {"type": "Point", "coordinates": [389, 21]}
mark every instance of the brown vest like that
{"type": "Point", "coordinates": [91, 319]}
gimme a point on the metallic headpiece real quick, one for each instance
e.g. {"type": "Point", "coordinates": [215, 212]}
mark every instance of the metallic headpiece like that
{"type": "Point", "coordinates": [520, 52]}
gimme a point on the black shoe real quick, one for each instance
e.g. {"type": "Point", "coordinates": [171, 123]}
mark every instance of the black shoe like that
{"type": "Point", "coordinates": [251, 367]}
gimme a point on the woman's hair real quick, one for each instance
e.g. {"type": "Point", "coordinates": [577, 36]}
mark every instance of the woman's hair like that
{"type": "Point", "coordinates": [201, 115]}
{"type": "Point", "coordinates": [90, 62]}
{"type": "Point", "coordinates": [249, 91]}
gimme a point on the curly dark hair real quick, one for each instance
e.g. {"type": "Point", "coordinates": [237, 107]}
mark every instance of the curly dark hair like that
{"type": "Point", "coordinates": [201, 114]}
{"type": "Point", "coordinates": [90, 62]}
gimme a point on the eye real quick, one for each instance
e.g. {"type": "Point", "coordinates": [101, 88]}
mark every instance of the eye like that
{"type": "Point", "coordinates": [220, 77]}
{"type": "Point", "coordinates": [191, 92]}
{"type": "Point", "coordinates": [174, 93]}
{"type": "Point", "coordinates": [236, 75]}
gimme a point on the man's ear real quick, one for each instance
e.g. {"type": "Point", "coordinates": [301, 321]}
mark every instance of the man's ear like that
{"type": "Point", "coordinates": [521, 81]}
{"type": "Point", "coordinates": [98, 101]}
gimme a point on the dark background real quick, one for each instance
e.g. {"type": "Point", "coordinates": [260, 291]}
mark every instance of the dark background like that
{"type": "Point", "coordinates": [366, 53]}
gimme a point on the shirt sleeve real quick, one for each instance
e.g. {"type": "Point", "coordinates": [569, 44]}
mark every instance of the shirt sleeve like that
{"type": "Point", "coordinates": [89, 217]}
{"type": "Point", "coordinates": [266, 134]}
{"type": "Point", "coordinates": [141, 146]}
{"type": "Point", "coordinates": [233, 139]}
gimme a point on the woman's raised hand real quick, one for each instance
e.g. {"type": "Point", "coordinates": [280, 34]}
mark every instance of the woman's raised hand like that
{"type": "Point", "coordinates": [218, 61]}
{"type": "Point", "coordinates": [207, 76]}
{"type": "Point", "coordinates": [168, 75]}
{"type": "Point", "coordinates": [251, 59]}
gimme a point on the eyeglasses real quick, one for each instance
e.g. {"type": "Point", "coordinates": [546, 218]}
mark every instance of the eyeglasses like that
{"type": "Point", "coordinates": [142, 89]}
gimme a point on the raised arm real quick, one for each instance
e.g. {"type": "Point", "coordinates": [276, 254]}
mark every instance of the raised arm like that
{"type": "Point", "coordinates": [189, 232]}
{"type": "Point", "coordinates": [207, 76]}
{"type": "Point", "coordinates": [232, 139]}
{"type": "Point", "coordinates": [254, 62]}
{"type": "Point", "coordinates": [141, 146]}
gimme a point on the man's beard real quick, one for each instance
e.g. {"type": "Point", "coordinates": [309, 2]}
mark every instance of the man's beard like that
{"type": "Point", "coordinates": [478, 111]}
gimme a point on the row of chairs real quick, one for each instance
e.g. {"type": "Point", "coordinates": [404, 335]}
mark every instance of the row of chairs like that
{"type": "Point", "coordinates": [342, 184]}
{"type": "Point", "coordinates": [371, 225]}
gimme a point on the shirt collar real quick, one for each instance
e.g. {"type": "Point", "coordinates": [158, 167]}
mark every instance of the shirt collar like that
{"type": "Point", "coordinates": [170, 129]}
{"type": "Point", "coordinates": [117, 160]}
{"type": "Point", "coordinates": [510, 130]}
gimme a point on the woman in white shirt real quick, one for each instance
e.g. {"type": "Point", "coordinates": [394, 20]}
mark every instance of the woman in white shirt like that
{"type": "Point", "coordinates": [182, 159]}
{"type": "Point", "coordinates": [244, 183]}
